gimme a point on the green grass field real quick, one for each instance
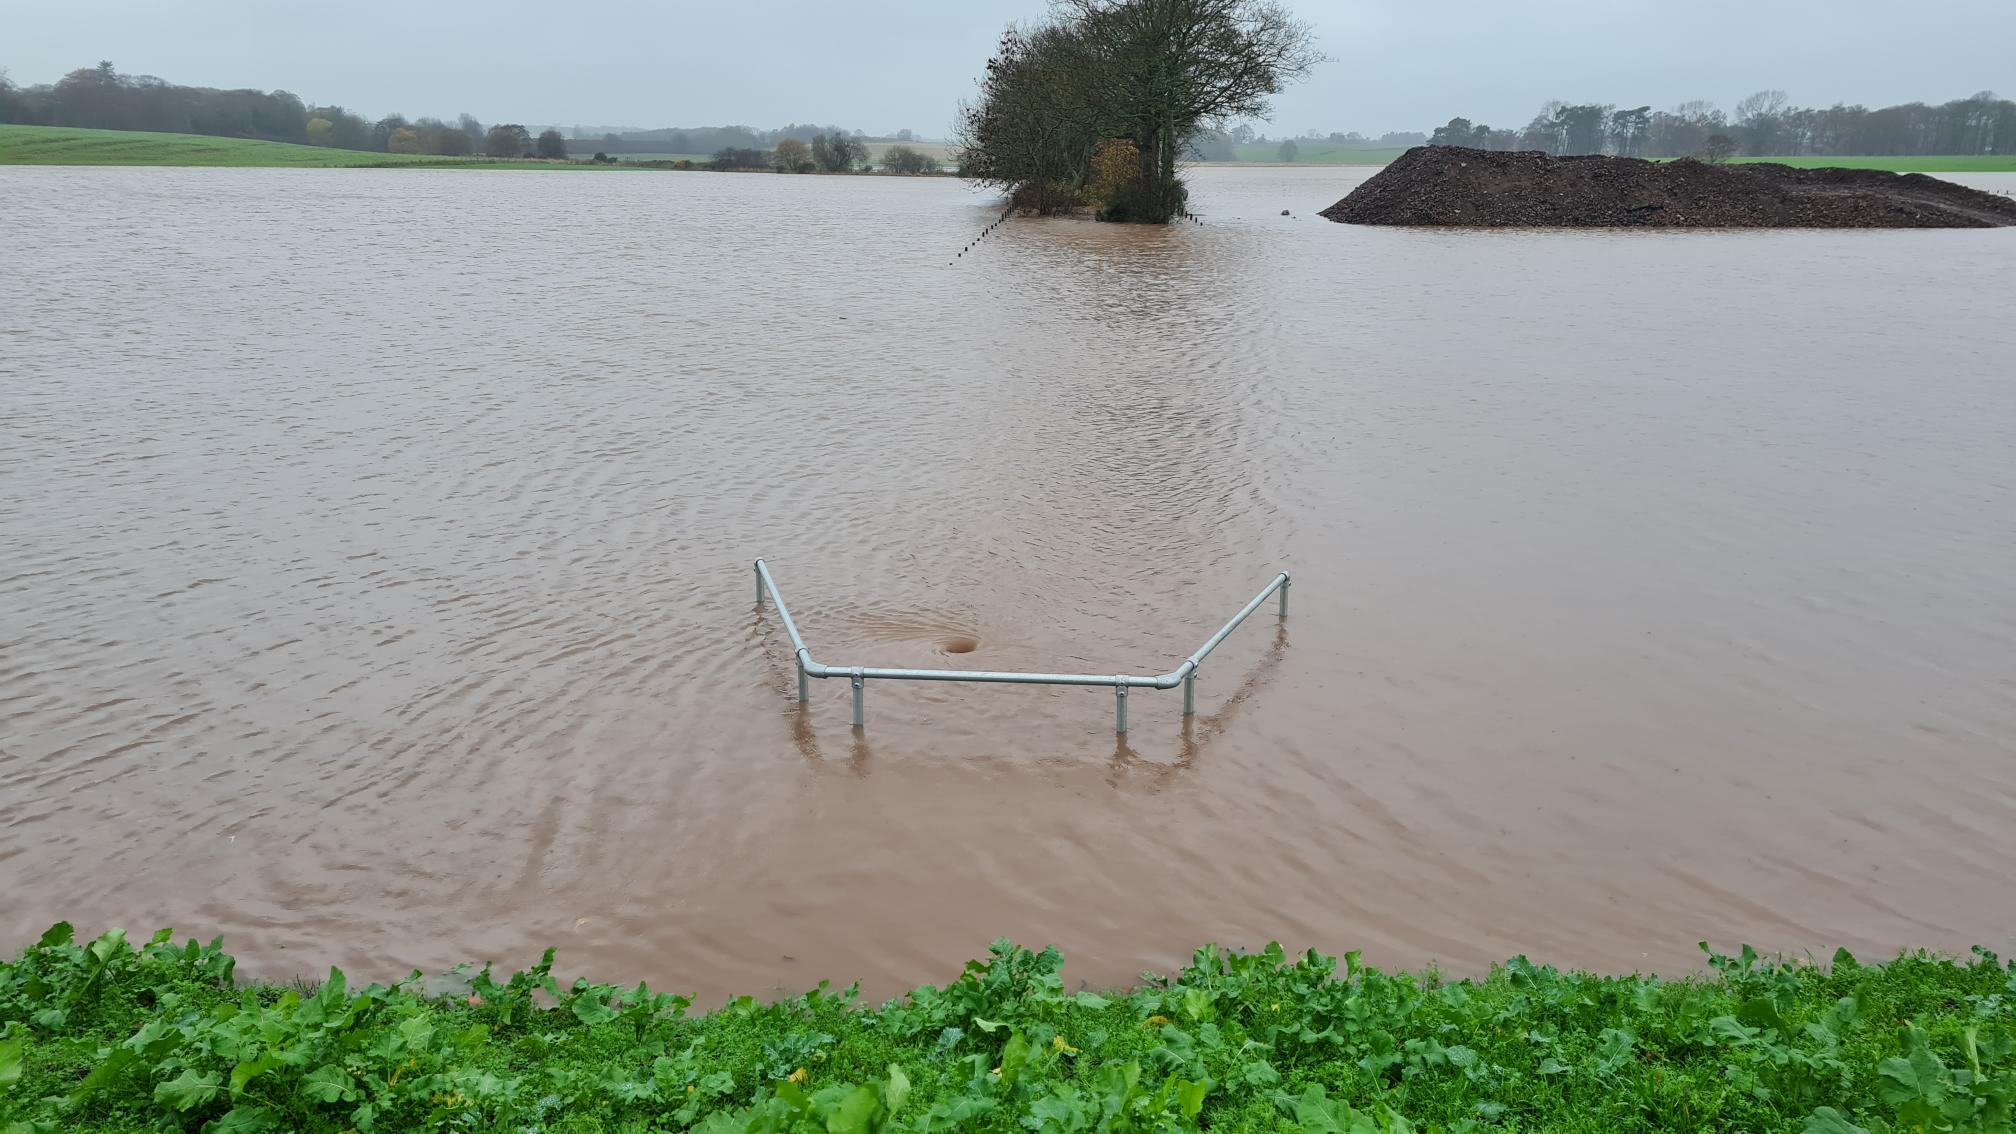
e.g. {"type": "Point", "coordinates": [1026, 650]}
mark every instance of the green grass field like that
{"type": "Point", "coordinates": [96, 1035]}
{"type": "Point", "coordinates": [1954, 163]}
{"type": "Point", "coordinates": [57, 145]}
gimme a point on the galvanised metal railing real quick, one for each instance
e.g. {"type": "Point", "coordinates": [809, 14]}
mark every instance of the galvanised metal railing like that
{"type": "Point", "coordinates": [1184, 675]}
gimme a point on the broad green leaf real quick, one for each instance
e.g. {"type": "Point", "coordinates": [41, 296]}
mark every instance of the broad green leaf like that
{"type": "Point", "coordinates": [592, 1010]}
{"type": "Point", "coordinates": [1896, 1080]}
{"type": "Point", "coordinates": [793, 1096]}
{"type": "Point", "coordinates": [1827, 1120]}
{"type": "Point", "coordinates": [188, 1090]}
{"type": "Point", "coordinates": [58, 934]}
{"type": "Point", "coordinates": [10, 1059]}
{"type": "Point", "coordinates": [1261, 1073]}
{"type": "Point", "coordinates": [1091, 1001]}
{"type": "Point", "coordinates": [1190, 1097]}
{"type": "Point", "coordinates": [1197, 1003]}
{"type": "Point", "coordinates": [109, 1069]}
{"type": "Point", "coordinates": [897, 1090]}
{"type": "Point", "coordinates": [1013, 1056]}
{"type": "Point", "coordinates": [250, 1069]}
{"type": "Point", "coordinates": [1552, 1066]}
{"type": "Point", "coordinates": [854, 1114]}
{"type": "Point", "coordinates": [108, 944]}
{"type": "Point", "coordinates": [1317, 1113]}
{"type": "Point", "coordinates": [415, 1032]}
{"type": "Point", "coordinates": [329, 1084]}
{"type": "Point", "coordinates": [988, 1026]}
{"type": "Point", "coordinates": [242, 1120]}
{"type": "Point", "coordinates": [1061, 1111]}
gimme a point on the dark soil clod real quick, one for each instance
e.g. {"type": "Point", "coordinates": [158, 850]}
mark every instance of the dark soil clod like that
{"type": "Point", "coordinates": [1453, 186]}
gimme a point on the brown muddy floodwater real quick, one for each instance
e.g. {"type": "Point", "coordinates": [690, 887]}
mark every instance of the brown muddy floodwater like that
{"type": "Point", "coordinates": [375, 577]}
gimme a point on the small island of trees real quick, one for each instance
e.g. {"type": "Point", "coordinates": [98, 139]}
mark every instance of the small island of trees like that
{"type": "Point", "coordinates": [1093, 107]}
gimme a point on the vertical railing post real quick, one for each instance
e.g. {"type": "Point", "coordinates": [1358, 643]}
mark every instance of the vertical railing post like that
{"type": "Point", "coordinates": [858, 720]}
{"type": "Point", "coordinates": [1284, 598]}
{"type": "Point", "coordinates": [1119, 705]}
{"type": "Point", "coordinates": [803, 692]}
{"type": "Point", "coordinates": [759, 588]}
{"type": "Point", "coordinates": [1190, 694]}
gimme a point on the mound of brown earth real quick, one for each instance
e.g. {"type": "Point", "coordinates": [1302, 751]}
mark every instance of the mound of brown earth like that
{"type": "Point", "coordinates": [1449, 185]}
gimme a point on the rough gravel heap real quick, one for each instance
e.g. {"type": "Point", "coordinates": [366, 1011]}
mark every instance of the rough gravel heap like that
{"type": "Point", "coordinates": [1450, 185]}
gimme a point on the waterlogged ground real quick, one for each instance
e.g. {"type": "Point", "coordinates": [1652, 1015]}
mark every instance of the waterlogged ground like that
{"type": "Point", "coordinates": [376, 578]}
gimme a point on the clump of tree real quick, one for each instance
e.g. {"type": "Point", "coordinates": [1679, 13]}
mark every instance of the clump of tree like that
{"type": "Point", "coordinates": [508, 140]}
{"type": "Point", "coordinates": [103, 98]}
{"type": "Point", "coordinates": [792, 156]}
{"type": "Point", "coordinates": [838, 152]}
{"type": "Point", "coordinates": [550, 144]}
{"type": "Point", "coordinates": [1157, 74]}
{"type": "Point", "coordinates": [1764, 124]}
{"type": "Point", "coordinates": [908, 159]}
{"type": "Point", "coordinates": [739, 157]}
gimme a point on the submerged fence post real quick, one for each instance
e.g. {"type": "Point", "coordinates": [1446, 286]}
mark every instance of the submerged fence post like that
{"type": "Point", "coordinates": [759, 585]}
{"type": "Point", "coordinates": [1190, 694]}
{"type": "Point", "coordinates": [1119, 706]}
{"type": "Point", "coordinates": [857, 699]}
{"type": "Point", "coordinates": [803, 692]}
{"type": "Point", "coordinates": [1284, 598]}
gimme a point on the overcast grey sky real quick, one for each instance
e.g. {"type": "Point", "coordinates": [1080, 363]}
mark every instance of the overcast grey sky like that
{"type": "Point", "coordinates": [880, 65]}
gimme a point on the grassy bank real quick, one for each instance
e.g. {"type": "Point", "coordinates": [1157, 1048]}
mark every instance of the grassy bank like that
{"type": "Point", "coordinates": [62, 145]}
{"type": "Point", "coordinates": [1951, 163]}
{"type": "Point", "coordinates": [100, 1036]}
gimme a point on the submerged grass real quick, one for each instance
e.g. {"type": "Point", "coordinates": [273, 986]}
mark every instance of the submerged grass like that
{"type": "Point", "coordinates": [100, 1036]}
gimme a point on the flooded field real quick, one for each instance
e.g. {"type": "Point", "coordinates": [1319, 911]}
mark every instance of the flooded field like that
{"type": "Point", "coordinates": [375, 577]}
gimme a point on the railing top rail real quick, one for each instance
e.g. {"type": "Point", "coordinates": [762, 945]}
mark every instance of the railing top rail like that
{"type": "Point", "coordinates": [1184, 674]}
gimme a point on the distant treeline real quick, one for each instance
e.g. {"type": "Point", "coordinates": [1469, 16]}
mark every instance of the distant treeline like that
{"type": "Point", "coordinates": [1217, 145]}
{"type": "Point", "coordinates": [714, 139]}
{"type": "Point", "coordinates": [1762, 125]}
{"type": "Point", "coordinates": [102, 98]}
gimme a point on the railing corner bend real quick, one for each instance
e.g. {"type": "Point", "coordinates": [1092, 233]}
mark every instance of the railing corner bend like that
{"type": "Point", "coordinates": [858, 676]}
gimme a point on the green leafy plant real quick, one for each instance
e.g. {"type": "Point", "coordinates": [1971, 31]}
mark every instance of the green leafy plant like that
{"type": "Point", "coordinates": [101, 1035]}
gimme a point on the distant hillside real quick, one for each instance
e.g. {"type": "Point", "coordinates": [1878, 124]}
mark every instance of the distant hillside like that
{"type": "Point", "coordinates": [63, 145]}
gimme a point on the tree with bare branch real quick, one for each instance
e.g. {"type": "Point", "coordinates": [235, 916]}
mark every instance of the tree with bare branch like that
{"type": "Point", "coordinates": [1157, 73]}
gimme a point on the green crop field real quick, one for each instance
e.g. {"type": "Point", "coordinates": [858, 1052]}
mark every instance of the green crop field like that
{"type": "Point", "coordinates": [100, 1036]}
{"type": "Point", "coordinates": [1952, 163]}
{"type": "Point", "coordinates": [58, 145]}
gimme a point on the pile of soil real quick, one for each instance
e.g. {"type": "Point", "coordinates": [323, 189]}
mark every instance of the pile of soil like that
{"type": "Point", "coordinates": [1450, 185]}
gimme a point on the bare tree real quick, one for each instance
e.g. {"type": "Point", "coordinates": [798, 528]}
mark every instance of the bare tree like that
{"type": "Point", "coordinates": [1759, 117]}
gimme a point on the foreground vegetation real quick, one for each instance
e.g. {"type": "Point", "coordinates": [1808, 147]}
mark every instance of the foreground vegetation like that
{"type": "Point", "coordinates": [98, 1035]}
